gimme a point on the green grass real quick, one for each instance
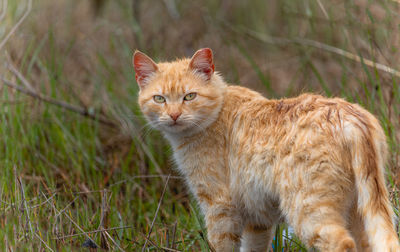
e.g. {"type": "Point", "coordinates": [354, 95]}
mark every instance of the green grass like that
{"type": "Point", "coordinates": [63, 174]}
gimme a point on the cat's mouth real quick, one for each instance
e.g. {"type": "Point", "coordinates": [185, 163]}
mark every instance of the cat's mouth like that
{"type": "Point", "coordinates": [175, 123]}
{"type": "Point", "coordinates": [175, 126]}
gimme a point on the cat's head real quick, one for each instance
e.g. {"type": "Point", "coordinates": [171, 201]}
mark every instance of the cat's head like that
{"type": "Point", "coordinates": [179, 97]}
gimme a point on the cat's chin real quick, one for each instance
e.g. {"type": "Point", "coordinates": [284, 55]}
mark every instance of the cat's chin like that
{"type": "Point", "coordinates": [179, 130]}
{"type": "Point", "coordinates": [174, 128]}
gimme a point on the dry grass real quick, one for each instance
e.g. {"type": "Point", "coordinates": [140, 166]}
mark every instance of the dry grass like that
{"type": "Point", "coordinates": [68, 181]}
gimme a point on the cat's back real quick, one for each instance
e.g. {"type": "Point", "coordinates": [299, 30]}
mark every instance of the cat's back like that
{"type": "Point", "coordinates": [305, 110]}
{"type": "Point", "coordinates": [287, 125]}
{"type": "Point", "coordinates": [245, 102]}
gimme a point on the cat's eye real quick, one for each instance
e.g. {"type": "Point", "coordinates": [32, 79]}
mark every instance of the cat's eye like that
{"type": "Point", "coordinates": [190, 96]}
{"type": "Point", "coordinates": [159, 99]}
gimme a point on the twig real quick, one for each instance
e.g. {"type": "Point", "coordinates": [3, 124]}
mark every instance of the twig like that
{"type": "Point", "coordinates": [4, 9]}
{"type": "Point", "coordinates": [155, 216]}
{"type": "Point", "coordinates": [149, 240]}
{"type": "Point", "coordinates": [115, 243]}
{"type": "Point", "coordinates": [47, 246]}
{"type": "Point", "coordinates": [65, 208]}
{"type": "Point", "coordinates": [103, 216]}
{"type": "Point", "coordinates": [82, 111]}
{"type": "Point", "coordinates": [92, 232]}
{"type": "Point", "coordinates": [307, 42]}
{"type": "Point", "coordinates": [145, 176]}
{"type": "Point", "coordinates": [73, 222]}
{"type": "Point", "coordinates": [17, 73]}
{"type": "Point", "coordinates": [347, 54]}
{"type": "Point", "coordinates": [7, 102]}
{"type": "Point", "coordinates": [41, 204]}
{"type": "Point", "coordinates": [88, 192]}
{"type": "Point", "coordinates": [169, 249]}
{"type": "Point", "coordinates": [24, 206]}
{"type": "Point", "coordinates": [159, 247]}
{"type": "Point", "coordinates": [12, 31]}
{"type": "Point", "coordinates": [322, 8]}
{"type": "Point", "coordinates": [173, 236]}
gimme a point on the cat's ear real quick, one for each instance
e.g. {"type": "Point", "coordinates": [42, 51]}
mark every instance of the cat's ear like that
{"type": "Point", "coordinates": [144, 68]}
{"type": "Point", "coordinates": [202, 62]}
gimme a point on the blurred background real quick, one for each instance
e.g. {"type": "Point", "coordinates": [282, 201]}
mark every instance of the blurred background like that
{"type": "Point", "coordinates": [79, 167]}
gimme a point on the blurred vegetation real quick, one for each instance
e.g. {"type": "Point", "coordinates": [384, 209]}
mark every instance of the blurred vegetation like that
{"type": "Point", "coordinates": [102, 170]}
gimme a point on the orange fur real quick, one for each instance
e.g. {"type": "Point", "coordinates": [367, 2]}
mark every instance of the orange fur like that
{"type": "Point", "coordinates": [314, 162]}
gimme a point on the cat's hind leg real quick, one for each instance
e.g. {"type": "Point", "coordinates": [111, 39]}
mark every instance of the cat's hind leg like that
{"type": "Point", "coordinates": [325, 229]}
{"type": "Point", "coordinates": [318, 216]}
{"type": "Point", "coordinates": [357, 230]}
{"type": "Point", "coordinates": [256, 238]}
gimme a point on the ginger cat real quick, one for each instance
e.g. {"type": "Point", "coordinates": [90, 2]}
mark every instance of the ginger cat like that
{"type": "Point", "coordinates": [314, 162]}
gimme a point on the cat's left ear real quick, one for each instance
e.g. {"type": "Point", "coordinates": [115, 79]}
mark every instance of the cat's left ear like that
{"type": "Point", "coordinates": [144, 68]}
{"type": "Point", "coordinates": [203, 63]}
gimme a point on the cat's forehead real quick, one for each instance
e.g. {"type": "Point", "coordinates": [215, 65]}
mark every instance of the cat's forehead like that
{"type": "Point", "coordinates": [174, 77]}
{"type": "Point", "coordinates": [173, 69]}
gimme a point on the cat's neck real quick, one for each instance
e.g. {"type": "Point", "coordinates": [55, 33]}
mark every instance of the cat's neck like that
{"type": "Point", "coordinates": [178, 139]}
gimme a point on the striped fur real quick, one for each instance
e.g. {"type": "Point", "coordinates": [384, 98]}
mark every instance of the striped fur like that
{"type": "Point", "coordinates": [314, 162]}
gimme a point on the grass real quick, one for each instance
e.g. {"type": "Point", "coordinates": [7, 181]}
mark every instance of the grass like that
{"type": "Point", "coordinates": [67, 180]}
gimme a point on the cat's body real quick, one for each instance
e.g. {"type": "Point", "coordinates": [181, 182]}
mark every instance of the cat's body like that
{"type": "Point", "coordinates": [314, 162]}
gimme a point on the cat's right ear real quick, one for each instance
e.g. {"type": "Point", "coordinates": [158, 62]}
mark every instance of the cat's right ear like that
{"type": "Point", "coordinates": [202, 62]}
{"type": "Point", "coordinates": [144, 68]}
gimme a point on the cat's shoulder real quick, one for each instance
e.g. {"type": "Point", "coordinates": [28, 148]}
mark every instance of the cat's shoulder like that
{"type": "Point", "coordinates": [242, 93]}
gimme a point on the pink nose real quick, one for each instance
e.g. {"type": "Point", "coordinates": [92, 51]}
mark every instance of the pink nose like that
{"type": "Point", "coordinates": [175, 115]}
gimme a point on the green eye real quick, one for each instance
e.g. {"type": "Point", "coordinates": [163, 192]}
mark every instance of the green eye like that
{"type": "Point", "coordinates": [159, 99]}
{"type": "Point", "coordinates": [190, 96]}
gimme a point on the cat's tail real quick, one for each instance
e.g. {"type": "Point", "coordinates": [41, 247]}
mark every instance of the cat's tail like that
{"type": "Point", "coordinates": [373, 202]}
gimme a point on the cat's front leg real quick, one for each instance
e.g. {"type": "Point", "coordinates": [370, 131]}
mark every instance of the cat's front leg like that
{"type": "Point", "coordinates": [257, 238]}
{"type": "Point", "coordinates": [224, 227]}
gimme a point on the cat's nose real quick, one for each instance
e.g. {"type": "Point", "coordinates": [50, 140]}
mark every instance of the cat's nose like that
{"type": "Point", "coordinates": [175, 115]}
